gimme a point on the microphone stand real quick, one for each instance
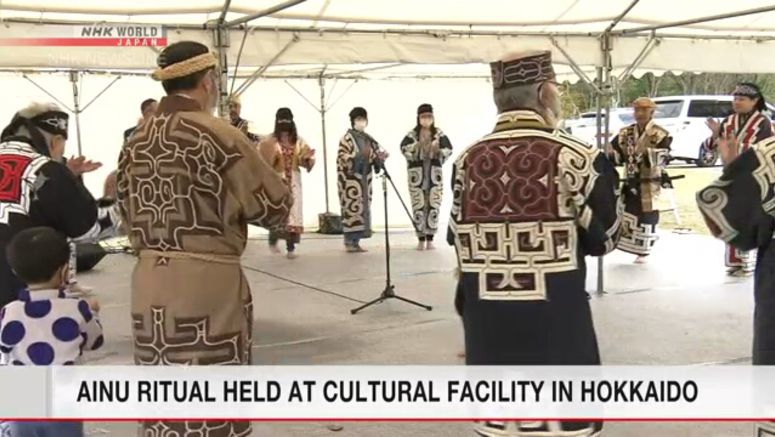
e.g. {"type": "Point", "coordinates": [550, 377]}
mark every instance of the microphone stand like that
{"type": "Point", "coordinates": [389, 291]}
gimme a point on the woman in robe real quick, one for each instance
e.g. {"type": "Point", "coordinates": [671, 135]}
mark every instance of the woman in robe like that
{"type": "Point", "coordinates": [288, 153]}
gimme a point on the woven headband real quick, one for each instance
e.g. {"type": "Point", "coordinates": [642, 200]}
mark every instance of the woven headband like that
{"type": "Point", "coordinates": [185, 68]}
{"type": "Point", "coordinates": [525, 71]}
{"type": "Point", "coordinates": [746, 90]}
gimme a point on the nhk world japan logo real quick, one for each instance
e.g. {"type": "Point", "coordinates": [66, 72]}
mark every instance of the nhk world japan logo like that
{"type": "Point", "coordinates": [105, 35]}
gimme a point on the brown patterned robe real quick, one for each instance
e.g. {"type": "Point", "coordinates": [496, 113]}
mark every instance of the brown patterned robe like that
{"type": "Point", "coordinates": [644, 156]}
{"type": "Point", "coordinates": [188, 184]}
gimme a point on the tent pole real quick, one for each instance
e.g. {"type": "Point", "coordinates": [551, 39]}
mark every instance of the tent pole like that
{"type": "Point", "coordinates": [599, 133]}
{"type": "Point", "coordinates": [86, 106]}
{"type": "Point", "coordinates": [224, 11]}
{"type": "Point", "coordinates": [236, 64]}
{"type": "Point", "coordinates": [575, 67]}
{"type": "Point", "coordinates": [244, 85]}
{"type": "Point", "coordinates": [650, 44]}
{"type": "Point", "coordinates": [631, 33]}
{"type": "Point", "coordinates": [302, 94]}
{"type": "Point", "coordinates": [264, 13]}
{"type": "Point", "coordinates": [603, 132]}
{"type": "Point", "coordinates": [221, 43]}
{"type": "Point", "coordinates": [76, 109]}
{"type": "Point", "coordinates": [622, 15]}
{"type": "Point", "coordinates": [24, 75]}
{"type": "Point", "coordinates": [323, 111]}
{"type": "Point", "coordinates": [698, 20]}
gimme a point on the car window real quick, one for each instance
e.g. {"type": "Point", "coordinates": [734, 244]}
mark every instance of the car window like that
{"type": "Point", "coordinates": [627, 117]}
{"type": "Point", "coordinates": [589, 115]}
{"type": "Point", "coordinates": [709, 108]}
{"type": "Point", "coordinates": [668, 109]}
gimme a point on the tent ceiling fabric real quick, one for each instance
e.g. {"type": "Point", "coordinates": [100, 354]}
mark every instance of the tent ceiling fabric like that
{"type": "Point", "coordinates": [412, 32]}
{"type": "Point", "coordinates": [592, 14]}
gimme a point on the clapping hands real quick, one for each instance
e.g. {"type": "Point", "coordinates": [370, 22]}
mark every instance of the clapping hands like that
{"type": "Point", "coordinates": [729, 148]}
{"type": "Point", "coordinates": [714, 126]}
{"type": "Point", "coordinates": [81, 165]}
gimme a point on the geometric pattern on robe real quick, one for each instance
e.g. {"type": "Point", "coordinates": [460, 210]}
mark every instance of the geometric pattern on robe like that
{"type": "Point", "coordinates": [529, 203]}
{"type": "Point", "coordinates": [188, 184]}
{"type": "Point", "coordinates": [288, 165]}
{"type": "Point", "coordinates": [764, 429]}
{"type": "Point", "coordinates": [38, 191]}
{"type": "Point", "coordinates": [644, 156]}
{"type": "Point", "coordinates": [425, 203]}
{"type": "Point", "coordinates": [748, 130]}
{"type": "Point", "coordinates": [738, 208]}
{"type": "Point", "coordinates": [538, 429]}
{"type": "Point", "coordinates": [354, 202]}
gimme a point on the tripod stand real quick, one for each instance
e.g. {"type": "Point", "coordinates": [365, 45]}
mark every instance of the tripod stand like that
{"type": "Point", "coordinates": [389, 291]}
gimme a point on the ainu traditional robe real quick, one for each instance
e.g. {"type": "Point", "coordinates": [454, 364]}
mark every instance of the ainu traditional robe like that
{"type": "Point", "coordinates": [739, 208]}
{"type": "Point", "coordinates": [644, 156]}
{"type": "Point", "coordinates": [530, 202]}
{"type": "Point", "coordinates": [748, 129]}
{"type": "Point", "coordinates": [354, 167]}
{"type": "Point", "coordinates": [288, 163]}
{"type": "Point", "coordinates": [188, 184]}
{"type": "Point", "coordinates": [37, 191]}
{"type": "Point", "coordinates": [426, 186]}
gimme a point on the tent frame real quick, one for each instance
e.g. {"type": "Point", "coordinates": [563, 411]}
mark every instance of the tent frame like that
{"type": "Point", "coordinates": [603, 85]}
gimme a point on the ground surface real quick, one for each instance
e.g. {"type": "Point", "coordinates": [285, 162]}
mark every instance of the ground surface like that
{"type": "Point", "coordinates": [684, 197]}
{"type": "Point", "coordinates": [679, 309]}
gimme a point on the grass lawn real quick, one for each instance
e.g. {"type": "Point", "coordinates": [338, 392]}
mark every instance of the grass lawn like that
{"type": "Point", "coordinates": [684, 194]}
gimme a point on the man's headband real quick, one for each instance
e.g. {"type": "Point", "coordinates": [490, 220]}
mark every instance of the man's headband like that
{"type": "Point", "coordinates": [185, 68]}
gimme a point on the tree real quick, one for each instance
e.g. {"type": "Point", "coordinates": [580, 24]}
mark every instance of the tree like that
{"type": "Point", "coordinates": [579, 97]}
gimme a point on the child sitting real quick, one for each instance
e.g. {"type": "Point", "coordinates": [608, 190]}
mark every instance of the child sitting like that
{"type": "Point", "coordinates": [44, 327]}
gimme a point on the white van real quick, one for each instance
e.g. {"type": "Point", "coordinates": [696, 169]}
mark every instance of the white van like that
{"type": "Point", "coordinates": [585, 126]}
{"type": "Point", "coordinates": [684, 117]}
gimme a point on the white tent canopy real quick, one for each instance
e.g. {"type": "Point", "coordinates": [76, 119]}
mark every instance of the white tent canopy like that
{"type": "Point", "coordinates": [333, 32]}
{"type": "Point", "coordinates": [406, 38]}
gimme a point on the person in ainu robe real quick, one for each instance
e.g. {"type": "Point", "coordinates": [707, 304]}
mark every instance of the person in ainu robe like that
{"type": "Point", "coordinates": [188, 185]}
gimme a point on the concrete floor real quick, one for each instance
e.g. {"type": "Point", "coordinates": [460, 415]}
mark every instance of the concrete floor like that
{"type": "Point", "coordinates": [678, 309]}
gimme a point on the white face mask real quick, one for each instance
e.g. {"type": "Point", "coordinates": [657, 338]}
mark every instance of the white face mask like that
{"type": "Point", "coordinates": [426, 122]}
{"type": "Point", "coordinates": [360, 124]}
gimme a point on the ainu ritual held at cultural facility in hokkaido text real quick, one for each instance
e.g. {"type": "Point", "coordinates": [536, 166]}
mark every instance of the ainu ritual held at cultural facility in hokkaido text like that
{"type": "Point", "coordinates": [391, 391]}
